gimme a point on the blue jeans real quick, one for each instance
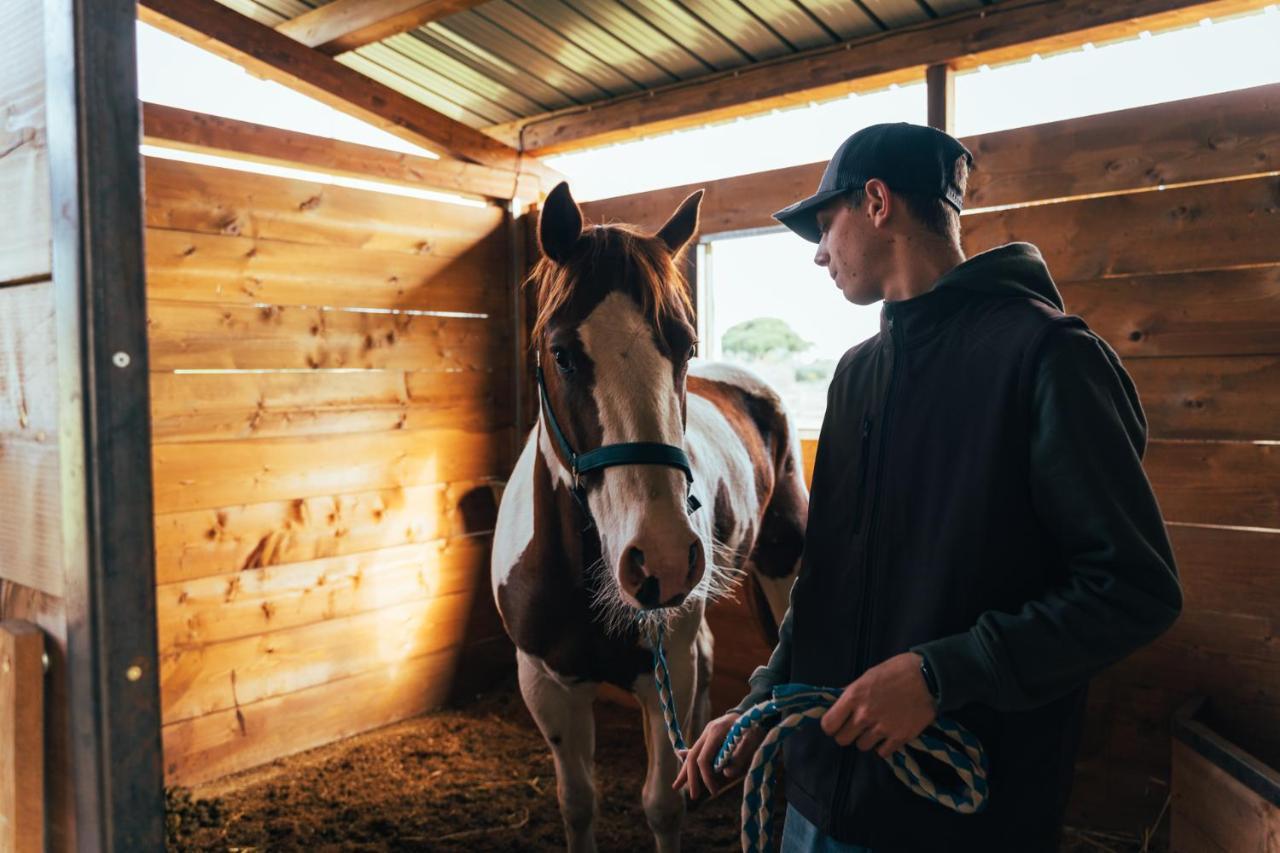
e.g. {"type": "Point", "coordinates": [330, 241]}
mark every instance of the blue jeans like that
{"type": "Point", "coordinates": [800, 836]}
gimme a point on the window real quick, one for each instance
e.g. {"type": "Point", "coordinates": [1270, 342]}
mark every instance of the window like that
{"type": "Point", "coordinates": [756, 144]}
{"type": "Point", "coordinates": [177, 74]}
{"type": "Point", "coordinates": [763, 304]}
{"type": "Point", "coordinates": [1216, 56]}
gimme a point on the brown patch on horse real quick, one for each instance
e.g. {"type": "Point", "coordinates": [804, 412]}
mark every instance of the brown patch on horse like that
{"type": "Point", "coordinates": [766, 435]}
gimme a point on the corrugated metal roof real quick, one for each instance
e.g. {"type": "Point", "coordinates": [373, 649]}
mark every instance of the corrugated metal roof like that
{"type": "Point", "coordinates": [508, 59]}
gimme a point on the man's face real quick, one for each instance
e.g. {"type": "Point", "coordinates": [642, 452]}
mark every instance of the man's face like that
{"type": "Point", "coordinates": [850, 250]}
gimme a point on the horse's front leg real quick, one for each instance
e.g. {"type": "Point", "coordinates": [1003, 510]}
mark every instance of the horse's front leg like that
{"type": "Point", "coordinates": [663, 807]}
{"type": "Point", "coordinates": [565, 718]}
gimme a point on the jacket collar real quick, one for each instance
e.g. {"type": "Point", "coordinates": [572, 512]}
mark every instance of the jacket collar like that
{"type": "Point", "coordinates": [920, 316]}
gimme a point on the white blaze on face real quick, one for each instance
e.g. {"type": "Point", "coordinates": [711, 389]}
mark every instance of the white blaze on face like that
{"type": "Point", "coordinates": [636, 400]}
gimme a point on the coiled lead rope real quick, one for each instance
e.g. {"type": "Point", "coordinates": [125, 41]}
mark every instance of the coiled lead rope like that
{"type": "Point", "coordinates": [794, 705]}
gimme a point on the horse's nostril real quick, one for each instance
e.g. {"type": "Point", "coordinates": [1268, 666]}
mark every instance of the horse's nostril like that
{"type": "Point", "coordinates": [636, 556]}
{"type": "Point", "coordinates": [695, 552]}
{"type": "Point", "coordinates": [648, 594]}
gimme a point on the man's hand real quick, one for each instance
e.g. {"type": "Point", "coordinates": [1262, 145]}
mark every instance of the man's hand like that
{"type": "Point", "coordinates": [888, 706]}
{"type": "Point", "coordinates": [698, 771]}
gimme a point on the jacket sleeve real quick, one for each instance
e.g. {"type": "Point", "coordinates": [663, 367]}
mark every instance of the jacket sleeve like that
{"type": "Point", "coordinates": [776, 671]}
{"type": "Point", "coordinates": [1088, 488]}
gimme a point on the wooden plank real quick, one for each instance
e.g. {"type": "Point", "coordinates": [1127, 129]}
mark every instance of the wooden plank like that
{"type": "Point", "coordinates": [276, 57]}
{"type": "Point", "coordinates": [1205, 482]}
{"type": "Point", "coordinates": [1210, 226]}
{"type": "Point", "coordinates": [214, 745]}
{"type": "Point", "coordinates": [209, 407]}
{"type": "Point", "coordinates": [1228, 571]}
{"type": "Point", "coordinates": [206, 679]}
{"type": "Point", "coordinates": [21, 738]}
{"type": "Point", "coordinates": [1007, 31]}
{"type": "Point", "coordinates": [1195, 139]}
{"type": "Point", "coordinates": [259, 601]}
{"type": "Point", "coordinates": [171, 127]}
{"type": "Point", "coordinates": [193, 336]}
{"type": "Point", "coordinates": [1210, 805]}
{"type": "Point", "coordinates": [182, 265]}
{"type": "Point", "coordinates": [28, 363]}
{"type": "Point", "coordinates": [211, 200]}
{"type": "Point", "coordinates": [348, 24]}
{"type": "Point", "coordinates": [199, 543]}
{"type": "Point", "coordinates": [25, 224]}
{"type": "Point", "coordinates": [940, 82]}
{"type": "Point", "coordinates": [48, 612]}
{"type": "Point", "coordinates": [1224, 398]}
{"type": "Point", "coordinates": [732, 204]}
{"type": "Point", "coordinates": [1214, 312]}
{"type": "Point", "coordinates": [207, 475]}
{"type": "Point", "coordinates": [31, 526]}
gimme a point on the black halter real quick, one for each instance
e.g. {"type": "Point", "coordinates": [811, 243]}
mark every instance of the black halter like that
{"type": "Point", "coordinates": [628, 453]}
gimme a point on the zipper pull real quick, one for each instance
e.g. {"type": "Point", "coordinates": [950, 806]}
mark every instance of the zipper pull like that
{"type": "Point", "coordinates": [866, 427]}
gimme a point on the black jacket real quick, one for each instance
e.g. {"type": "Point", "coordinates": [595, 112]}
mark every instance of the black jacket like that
{"type": "Point", "coordinates": [978, 497]}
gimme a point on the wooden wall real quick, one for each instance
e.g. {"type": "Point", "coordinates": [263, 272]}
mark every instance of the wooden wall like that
{"type": "Point", "coordinates": [31, 570]}
{"type": "Point", "coordinates": [1184, 282]}
{"type": "Point", "coordinates": [328, 434]}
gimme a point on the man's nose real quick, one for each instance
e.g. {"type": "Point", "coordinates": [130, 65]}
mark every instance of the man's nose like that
{"type": "Point", "coordinates": [822, 258]}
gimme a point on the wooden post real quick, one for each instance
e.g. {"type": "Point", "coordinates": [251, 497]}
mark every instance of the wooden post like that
{"type": "Point", "coordinates": [940, 81]}
{"type": "Point", "coordinates": [21, 737]}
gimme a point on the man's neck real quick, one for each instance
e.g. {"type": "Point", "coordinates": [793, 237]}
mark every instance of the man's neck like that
{"type": "Point", "coordinates": [917, 266]}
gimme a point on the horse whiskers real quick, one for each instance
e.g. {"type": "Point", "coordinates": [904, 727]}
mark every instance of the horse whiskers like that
{"type": "Point", "coordinates": [720, 580]}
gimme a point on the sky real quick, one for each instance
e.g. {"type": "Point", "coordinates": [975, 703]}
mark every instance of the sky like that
{"type": "Point", "coordinates": [773, 274]}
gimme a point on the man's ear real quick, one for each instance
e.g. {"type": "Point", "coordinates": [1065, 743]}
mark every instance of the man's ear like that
{"type": "Point", "coordinates": [559, 224]}
{"type": "Point", "coordinates": [683, 223]}
{"type": "Point", "coordinates": [879, 201]}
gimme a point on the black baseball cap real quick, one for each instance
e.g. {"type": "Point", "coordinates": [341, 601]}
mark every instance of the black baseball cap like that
{"type": "Point", "coordinates": [907, 157]}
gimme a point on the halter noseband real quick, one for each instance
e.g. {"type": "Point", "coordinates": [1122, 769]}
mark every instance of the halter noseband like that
{"type": "Point", "coordinates": [609, 455]}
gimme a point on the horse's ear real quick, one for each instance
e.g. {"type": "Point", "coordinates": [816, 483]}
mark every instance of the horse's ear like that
{"type": "Point", "coordinates": [559, 224]}
{"type": "Point", "coordinates": [683, 223]}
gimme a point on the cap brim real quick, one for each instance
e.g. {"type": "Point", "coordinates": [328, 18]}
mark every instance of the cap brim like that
{"type": "Point", "coordinates": [802, 217]}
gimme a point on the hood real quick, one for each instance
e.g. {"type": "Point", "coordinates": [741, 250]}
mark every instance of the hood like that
{"type": "Point", "coordinates": [1014, 269]}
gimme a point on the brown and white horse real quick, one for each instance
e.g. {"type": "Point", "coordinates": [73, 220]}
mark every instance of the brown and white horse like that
{"type": "Point", "coordinates": [614, 334]}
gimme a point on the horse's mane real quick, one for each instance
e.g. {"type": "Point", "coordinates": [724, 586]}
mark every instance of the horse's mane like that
{"type": "Point", "coordinates": [647, 270]}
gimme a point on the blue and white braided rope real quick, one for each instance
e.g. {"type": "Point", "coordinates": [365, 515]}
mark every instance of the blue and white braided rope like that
{"type": "Point", "coordinates": [662, 678]}
{"type": "Point", "coordinates": [794, 705]}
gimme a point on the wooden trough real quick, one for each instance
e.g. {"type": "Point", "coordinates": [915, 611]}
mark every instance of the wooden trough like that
{"type": "Point", "coordinates": [253, 427]}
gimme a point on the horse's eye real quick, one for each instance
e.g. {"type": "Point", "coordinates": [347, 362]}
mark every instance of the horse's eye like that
{"type": "Point", "coordinates": [564, 361]}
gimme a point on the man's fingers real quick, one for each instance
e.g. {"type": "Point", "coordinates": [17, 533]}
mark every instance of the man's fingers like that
{"type": "Point", "coordinates": [838, 714]}
{"type": "Point", "coordinates": [705, 759]}
{"type": "Point", "coordinates": [870, 737]}
{"type": "Point", "coordinates": [889, 747]}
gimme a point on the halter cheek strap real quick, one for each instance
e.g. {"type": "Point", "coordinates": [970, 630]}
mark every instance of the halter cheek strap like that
{"type": "Point", "coordinates": [610, 455]}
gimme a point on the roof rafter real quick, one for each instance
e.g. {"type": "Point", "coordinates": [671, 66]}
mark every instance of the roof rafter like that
{"type": "Point", "coordinates": [348, 24]}
{"type": "Point", "coordinates": [1005, 31]}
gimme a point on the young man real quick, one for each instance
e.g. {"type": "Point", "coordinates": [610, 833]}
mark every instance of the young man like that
{"type": "Point", "coordinates": [982, 538]}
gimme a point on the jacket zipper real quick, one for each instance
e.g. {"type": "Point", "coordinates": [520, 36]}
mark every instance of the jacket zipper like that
{"type": "Point", "coordinates": [844, 776]}
{"type": "Point", "coordinates": [863, 459]}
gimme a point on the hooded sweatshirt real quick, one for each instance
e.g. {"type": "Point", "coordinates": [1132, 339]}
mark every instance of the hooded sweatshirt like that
{"type": "Point", "coordinates": [978, 497]}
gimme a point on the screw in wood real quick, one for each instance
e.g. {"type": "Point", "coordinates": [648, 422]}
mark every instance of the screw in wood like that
{"type": "Point", "coordinates": [120, 359]}
{"type": "Point", "coordinates": [133, 673]}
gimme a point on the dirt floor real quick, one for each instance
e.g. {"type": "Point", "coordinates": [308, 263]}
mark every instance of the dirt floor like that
{"type": "Point", "coordinates": [478, 778]}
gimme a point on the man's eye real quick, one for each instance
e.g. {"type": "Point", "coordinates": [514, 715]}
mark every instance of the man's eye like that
{"type": "Point", "coordinates": [564, 361]}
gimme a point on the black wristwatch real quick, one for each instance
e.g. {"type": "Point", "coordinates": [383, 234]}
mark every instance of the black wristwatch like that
{"type": "Point", "coordinates": [929, 680]}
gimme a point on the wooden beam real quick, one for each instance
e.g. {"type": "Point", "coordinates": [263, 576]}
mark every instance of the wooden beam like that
{"type": "Point", "coordinates": [940, 82]}
{"type": "Point", "coordinates": [171, 127]}
{"type": "Point", "coordinates": [21, 737]}
{"type": "Point", "coordinates": [348, 24]}
{"type": "Point", "coordinates": [276, 57]}
{"type": "Point", "coordinates": [998, 33]}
